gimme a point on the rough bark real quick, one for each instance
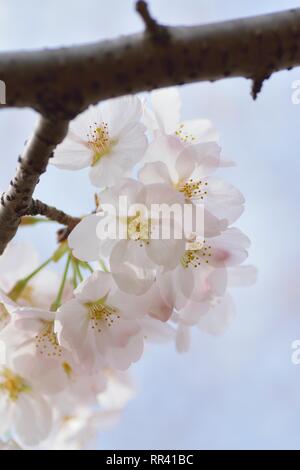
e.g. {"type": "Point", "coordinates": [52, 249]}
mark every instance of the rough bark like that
{"type": "Point", "coordinates": [18, 197]}
{"type": "Point", "coordinates": [38, 207]}
{"type": "Point", "coordinates": [66, 80]}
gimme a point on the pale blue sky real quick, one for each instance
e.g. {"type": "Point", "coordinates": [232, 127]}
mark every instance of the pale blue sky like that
{"type": "Point", "coordinates": [239, 390]}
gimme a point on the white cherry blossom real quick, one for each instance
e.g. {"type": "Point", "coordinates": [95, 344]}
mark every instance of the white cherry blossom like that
{"type": "Point", "coordinates": [100, 324]}
{"type": "Point", "coordinates": [109, 138]}
{"type": "Point", "coordinates": [164, 117]}
{"type": "Point", "coordinates": [134, 259]}
{"type": "Point", "coordinates": [24, 411]}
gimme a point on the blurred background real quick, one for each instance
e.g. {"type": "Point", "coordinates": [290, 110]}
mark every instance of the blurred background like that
{"type": "Point", "coordinates": [240, 390]}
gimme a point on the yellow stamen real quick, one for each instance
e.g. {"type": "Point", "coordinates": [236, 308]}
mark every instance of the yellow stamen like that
{"type": "Point", "coordinates": [196, 254]}
{"type": "Point", "coordinates": [46, 341]}
{"type": "Point", "coordinates": [12, 384]}
{"type": "Point", "coordinates": [99, 141]}
{"type": "Point", "coordinates": [101, 314]}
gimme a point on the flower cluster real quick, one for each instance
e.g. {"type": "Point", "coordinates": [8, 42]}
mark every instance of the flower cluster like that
{"type": "Point", "coordinates": [156, 258]}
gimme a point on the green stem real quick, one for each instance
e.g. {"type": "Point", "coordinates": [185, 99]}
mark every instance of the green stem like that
{"type": "Point", "coordinates": [78, 271]}
{"type": "Point", "coordinates": [89, 267]}
{"type": "Point", "coordinates": [103, 266]}
{"type": "Point", "coordinates": [74, 274]}
{"type": "Point", "coordinates": [57, 302]}
{"type": "Point", "coordinates": [20, 285]}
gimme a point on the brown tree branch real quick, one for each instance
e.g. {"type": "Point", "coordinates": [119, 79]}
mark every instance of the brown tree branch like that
{"type": "Point", "coordinates": [16, 201]}
{"type": "Point", "coordinates": [64, 81]}
{"type": "Point", "coordinates": [40, 208]}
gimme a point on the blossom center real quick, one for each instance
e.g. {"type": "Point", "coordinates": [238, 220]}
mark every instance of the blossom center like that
{"type": "Point", "coordinates": [101, 314]}
{"type": "Point", "coordinates": [183, 135]}
{"type": "Point", "coordinates": [138, 228]}
{"type": "Point", "coordinates": [46, 341]}
{"type": "Point", "coordinates": [99, 141]}
{"type": "Point", "coordinates": [197, 254]}
{"type": "Point", "coordinates": [12, 384]}
{"type": "Point", "coordinates": [193, 189]}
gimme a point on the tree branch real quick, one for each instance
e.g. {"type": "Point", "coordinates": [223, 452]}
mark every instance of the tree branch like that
{"type": "Point", "coordinates": [64, 81]}
{"type": "Point", "coordinates": [16, 201]}
{"type": "Point", "coordinates": [40, 208]}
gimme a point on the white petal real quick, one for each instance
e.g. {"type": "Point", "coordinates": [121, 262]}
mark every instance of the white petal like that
{"type": "Point", "coordinates": [201, 129]}
{"type": "Point", "coordinates": [32, 419]}
{"type": "Point", "coordinates": [121, 112]}
{"type": "Point", "coordinates": [6, 413]}
{"type": "Point", "coordinates": [71, 325]}
{"type": "Point", "coordinates": [131, 268]}
{"type": "Point", "coordinates": [166, 105]}
{"type": "Point", "coordinates": [224, 200]}
{"type": "Point", "coordinates": [83, 239]}
{"type": "Point", "coordinates": [72, 156]}
{"type": "Point", "coordinates": [156, 172]}
{"type": "Point", "coordinates": [95, 287]}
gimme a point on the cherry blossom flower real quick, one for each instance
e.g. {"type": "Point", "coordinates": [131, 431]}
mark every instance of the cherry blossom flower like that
{"type": "Point", "coordinates": [77, 421]}
{"type": "Point", "coordinates": [31, 338]}
{"type": "Point", "coordinates": [108, 137]}
{"type": "Point", "coordinates": [100, 324]}
{"type": "Point", "coordinates": [25, 412]}
{"type": "Point", "coordinates": [165, 118]}
{"type": "Point", "coordinates": [189, 169]}
{"type": "Point", "coordinates": [134, 259]}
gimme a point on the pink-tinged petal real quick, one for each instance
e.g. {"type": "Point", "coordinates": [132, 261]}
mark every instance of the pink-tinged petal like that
{"type": "Point", "coordinates": [32, 419]}
{"type": "Point", "coordinates": [121, 112]}
{"type": "Point", "coordinates": [122, 358]}
{"type": "Point", "coordinates": [212, 225]}
{"type": "Point", "coordinates": [164, 148]}
{"type": "Point", "coordinates": [132, 270]}
{"type": "Point", "coordinates": [184, 282]}
{"type": "Point", "coordinates": [72, 155]}
{"type": "Point", "coordinates": [166, 253]}
{"type": "Point", "coordinates": [83, 239]}
{"type": "Point", "coordinates": [126, 187]}
{"type": "Point", "coordinates": [166, 105]}
{"type": "Point", "coordinates": [95, 287]}
{"type": "Point", "coordinates": [122, 331]}
{"type": "Point", "coordinates": [6, 413]}
{"type": "Point", "coordinates": [202, 130]}
{"type": "Point", "coordinates": [219, 317]}
{"type": "Point", "coordinates": [161, 193]}
{"type": "Point", "coordinates": [224, 200]}
{"type": "Point", "coordinates": [36, 314]}
{"type": "Point", "coordinates": [155, 172]}
{"type": "Point", "coordinates": [131, 145]}
{"type": "Point", "coordinates": [71, 325]}
{"type": "Point", "coordinates": [192, 312]}
{"type": "Point", "coordinates": [156, 331]}
{"type": "Point", "coordinates": [206, 157]}
{"type": "Point", "coordinates": [229, 249]}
